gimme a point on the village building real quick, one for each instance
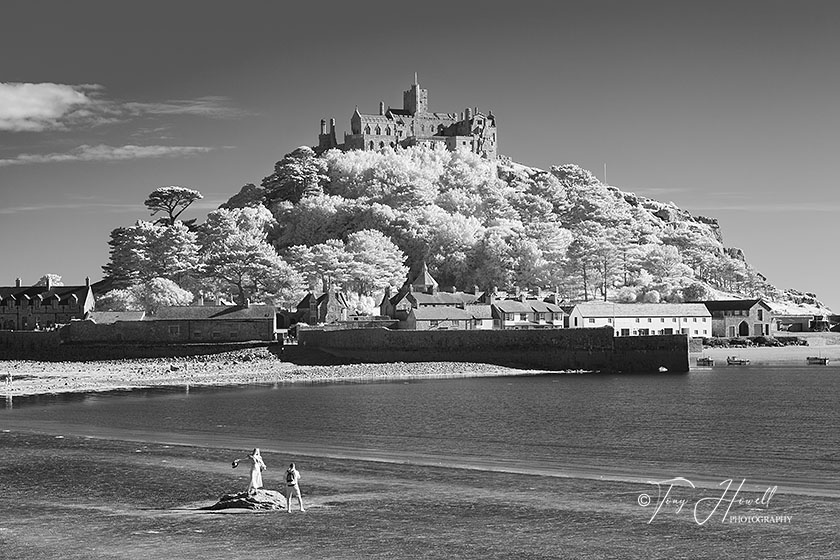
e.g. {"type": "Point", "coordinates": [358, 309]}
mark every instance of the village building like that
{"type": "Point", "coordinates": [526, 313]}
{"type": "Point", "coordinates": [438, 318]}
{"type": "Point", "coordinates": [644, 319]}
{"type": "Point", "coordinates": [111, 317]}
{"type": "Point", "coordinates": [414, 124]}
{"type": "Point", "coordinates": [421, 305]}
{"type": "Point", "coordinates": [329, 307]}
{"type": "Point", "coordinates": [740, 317]}
{"type": "Point", "coordinates": [238, 323]}
{"type": "Point", "coordinates": [423, 291]}
{"type": "Point", "coordinates": [176, 325]}
{"type": "Point", "coordinates": [26, 308]}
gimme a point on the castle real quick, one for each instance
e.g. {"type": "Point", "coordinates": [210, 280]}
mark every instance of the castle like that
{"type": "Point", "coordinates": [415, 125]}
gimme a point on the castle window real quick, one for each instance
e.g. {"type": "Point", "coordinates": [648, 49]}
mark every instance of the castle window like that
{"type": "Point", "coordinates": [382, 144]}
{"type": "Point", "coordinates": [378, 131]}
{"type": "Point", "coordinates": [388, 131]}
{"type": "Point", "coordinates": [371, 144]}
{"type": "Point", "coordinates": [422, 128]}
{"type": "Point", "coordinates": [367, 129]}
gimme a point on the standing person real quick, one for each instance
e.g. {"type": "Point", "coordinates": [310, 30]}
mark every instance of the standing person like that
{"type": "Point", "coordinates": [292, 477]}
{"type": "Point", "coordinates": [257, 467]}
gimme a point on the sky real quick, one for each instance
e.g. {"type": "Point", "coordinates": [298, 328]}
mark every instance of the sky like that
{"type": "Point", "coordinates": [729, 110]}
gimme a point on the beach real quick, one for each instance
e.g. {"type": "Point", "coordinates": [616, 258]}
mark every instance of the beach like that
{"type": "Point", "coordinates": [74, 497]}
{"type": "Point", "coordinates": [107, 492]}
{"type": "Point", "coordinates": [19, 378]}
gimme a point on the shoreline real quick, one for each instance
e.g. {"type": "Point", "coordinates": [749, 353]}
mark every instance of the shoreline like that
{"type": "Point", "coordinates": [25, 378]}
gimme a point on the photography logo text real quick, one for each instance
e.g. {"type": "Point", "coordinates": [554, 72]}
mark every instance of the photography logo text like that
{"type": "Point", "coordinates": [677, 496]}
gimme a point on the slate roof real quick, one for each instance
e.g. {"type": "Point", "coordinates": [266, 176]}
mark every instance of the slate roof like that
{"type": "Point", "coordinates": [543, 306]}
{"type": "Point", "coordinates": [733, 304]}
{"type": "Point", "coordinates": [63, 293]}
{"type": "Point", "coordinates": [479, 311]}
{"type": "Point", "coordinates": [423, 278]}
{"type": "Point", "coordinates": [451, 299]}
{"type": "Point", "coordinates": [512, 306]}
{"type": "Point", "coordinates": [192, 313]}
{"type": "Point", "coordinates": [606, 309]}
{"type": "Point", "coordinates": [441, 314]}
{"type": "Point", "coordinates": [108, 317]}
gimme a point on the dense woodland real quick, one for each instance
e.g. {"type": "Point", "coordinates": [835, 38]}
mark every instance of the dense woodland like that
{"type": "Point", "coordinates": [361, 220]}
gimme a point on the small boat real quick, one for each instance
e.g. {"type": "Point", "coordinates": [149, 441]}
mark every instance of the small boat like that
{"type": "Point", "coordinates": [733, 361]}
{"type": "Point", "coordinates": [705, 361]}
{"type": "Point", "coordinates": [817, 361]}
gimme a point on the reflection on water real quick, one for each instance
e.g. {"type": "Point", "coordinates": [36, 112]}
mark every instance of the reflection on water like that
{"type": "Point", "coordinates": [759, 423]}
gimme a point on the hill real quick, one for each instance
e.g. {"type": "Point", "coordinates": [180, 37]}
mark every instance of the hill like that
{"type": "Point", "coordinates": [505, 225]}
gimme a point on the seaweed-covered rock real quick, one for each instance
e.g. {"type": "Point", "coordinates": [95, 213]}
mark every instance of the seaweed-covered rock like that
{"type": "Point", "coordinates": [262, 499]}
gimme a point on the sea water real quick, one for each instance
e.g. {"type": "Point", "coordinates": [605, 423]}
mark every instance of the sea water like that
{"type": "Point", "coordinates": [767, 425]}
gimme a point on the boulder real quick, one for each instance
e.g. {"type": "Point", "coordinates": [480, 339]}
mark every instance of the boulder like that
{"type": "Point", "coordinates": [262, 499]}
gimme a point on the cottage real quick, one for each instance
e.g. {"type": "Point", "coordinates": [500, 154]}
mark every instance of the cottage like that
{"type": "Point", "coordinates": [644, 319]}
{"type": "Point", "coordinates": [526, 313]}
{"type": "Point", "coordinates": [40, 307]}
{"type": "Point", "coordinates": [423, 291]}
{"type": "Point", "coordinates": [216, 324]}
{"type": "Point", "coordinates": [437, 318]}
{"type": "Point", "coordinates": [482, 315]}
{"type": "Point", "coordinates": [329, 307]}
{"type": "Point", "coordinates": [740, 317]}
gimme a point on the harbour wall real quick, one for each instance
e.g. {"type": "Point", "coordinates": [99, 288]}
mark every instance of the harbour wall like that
{"type": "Point", "coordinates": [50, 347]}
{"type": "Point", "coordinates": [549, 349]}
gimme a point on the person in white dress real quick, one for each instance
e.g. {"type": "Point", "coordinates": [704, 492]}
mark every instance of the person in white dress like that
{"type": "Point", "coordinates": [257, 467]}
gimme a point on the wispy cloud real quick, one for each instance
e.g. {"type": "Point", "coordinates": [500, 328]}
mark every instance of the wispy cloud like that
{"type": "Point", "coordinates": [44, 106]}
{"type": "Point", "coordinates": [99, 206]}
{"type": "Point", "coordinates": [92, 203]}
{"type": "Point", "coordinates": [216, 107]}
{"type": "Point", "coordinates": [28, 107]}
{"type": "Point", "coordinates": [102, 152]}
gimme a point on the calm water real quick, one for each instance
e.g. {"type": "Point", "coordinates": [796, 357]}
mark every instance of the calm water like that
{"type": "Point", "coordinates": [779, 425]}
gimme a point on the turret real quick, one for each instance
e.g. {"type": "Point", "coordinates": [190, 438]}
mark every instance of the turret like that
{"type": "Point", "coordinates": [381, 107]}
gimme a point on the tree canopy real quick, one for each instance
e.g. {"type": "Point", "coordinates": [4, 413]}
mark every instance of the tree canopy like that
{"type": "Point", "coordinates": [172, 200]}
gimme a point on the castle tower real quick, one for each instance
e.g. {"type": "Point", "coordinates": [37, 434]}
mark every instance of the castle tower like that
{"type": "Point", "coordinates": [416, 99]}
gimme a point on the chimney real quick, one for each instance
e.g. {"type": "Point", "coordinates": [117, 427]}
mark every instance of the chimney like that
{"type": "Point", "coordinates": [17, 283]}
{"type": "Point", "coordinates": [332, 126]}
{"type": "Point", "coordinates": [467, 114]}
{"type": "Point", "coordinates": [49, 283]}
{"type": "Point", "coordinates": [323, 126]}
{"type": "Point", "coordinates": [87, 281]}
{"type": "Point", "coordinates": [381, 107]}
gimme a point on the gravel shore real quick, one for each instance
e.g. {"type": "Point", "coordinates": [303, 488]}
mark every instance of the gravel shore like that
{"type": "Point", "coordinates": [24, 377]}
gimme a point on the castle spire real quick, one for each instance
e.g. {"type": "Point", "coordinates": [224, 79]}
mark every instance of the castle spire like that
{"type": "Point", "coordinates": [415, 78]}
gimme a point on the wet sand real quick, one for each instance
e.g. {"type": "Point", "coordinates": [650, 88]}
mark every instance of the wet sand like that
{"type": "Point", "coordinates": [77, 497]}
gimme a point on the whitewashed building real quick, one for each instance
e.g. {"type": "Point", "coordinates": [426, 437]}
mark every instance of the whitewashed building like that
{"type": "Point", "coordinates": [644, 319]}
